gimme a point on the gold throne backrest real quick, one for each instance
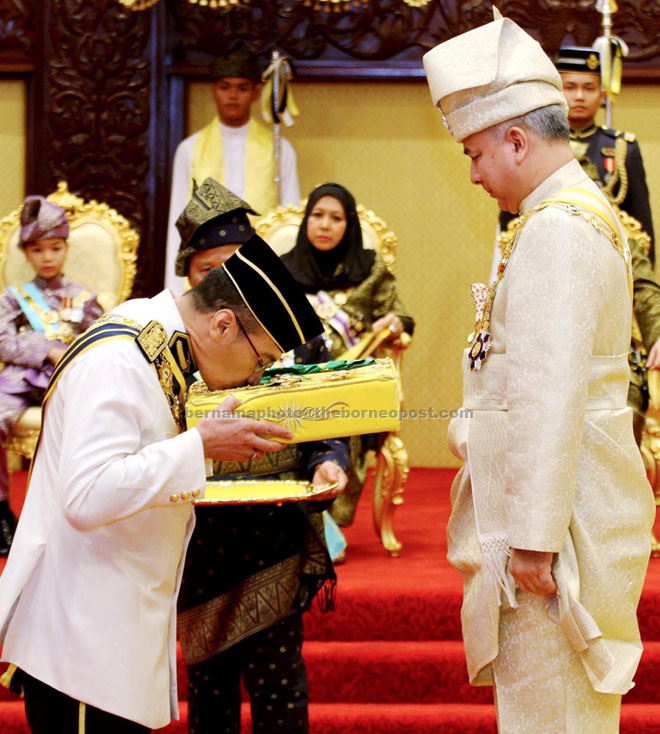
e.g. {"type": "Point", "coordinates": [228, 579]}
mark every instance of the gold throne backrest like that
{"type": "Point", "coordinates": [280, 229]}
{"type": "Point", "coordinates": [102, 249]}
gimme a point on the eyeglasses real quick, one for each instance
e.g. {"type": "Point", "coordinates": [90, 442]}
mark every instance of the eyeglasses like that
{"type": "Point", "coordinates": [262, 365]}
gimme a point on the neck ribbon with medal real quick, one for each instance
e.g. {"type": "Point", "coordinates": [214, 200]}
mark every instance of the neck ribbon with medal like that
{"type": "Point", "coordinates": [480, 339]}
{"type": "Point", "coordinates": [329, 309]}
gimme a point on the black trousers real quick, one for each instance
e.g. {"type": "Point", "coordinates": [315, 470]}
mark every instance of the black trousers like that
{"type": "Point", "coordinates": [274, 675]}
{"type": "Point", "coordinates": [50, 712]}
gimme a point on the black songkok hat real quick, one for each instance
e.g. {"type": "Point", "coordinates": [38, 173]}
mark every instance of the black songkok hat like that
{"type": "Point", "coordinates": [236, 64]}
{"type": "Point", "coordinates": [272, 295]}
{"type": "Point", "coordinates": [578, 58]}
{"type": "Point", "coordinates": [213, 217]}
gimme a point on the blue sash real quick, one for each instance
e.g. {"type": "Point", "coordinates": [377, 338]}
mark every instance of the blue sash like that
{"type": "Point", "coordinates": [37, 297]}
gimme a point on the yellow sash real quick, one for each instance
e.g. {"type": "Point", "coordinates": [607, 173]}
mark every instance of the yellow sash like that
{"type": "Point", "coordinates": [208, 160]}
{"type": "Point", "coordinates": [580, 201]}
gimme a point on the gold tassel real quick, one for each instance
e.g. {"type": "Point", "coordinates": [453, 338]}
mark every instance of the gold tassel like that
{"type": "Point", "coordinates": [82, 716]}
{"type": "Point", "coordinates": [5, 678]}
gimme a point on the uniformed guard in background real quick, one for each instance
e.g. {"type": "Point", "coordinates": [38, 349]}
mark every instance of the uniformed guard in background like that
{"type": "Point", "coordinates": [610, 157]}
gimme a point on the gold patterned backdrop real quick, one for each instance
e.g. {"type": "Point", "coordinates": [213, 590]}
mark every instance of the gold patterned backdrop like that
{"type": "Point", "coordinates": [386, 142]}
{"type": "Point", "coordinates": [12, 144]}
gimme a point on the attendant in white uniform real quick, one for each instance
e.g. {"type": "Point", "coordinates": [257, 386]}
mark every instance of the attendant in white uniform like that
{"type": "Point", "coordinates": [88, 596]}
{"type": "Point", "coordinates": [234, 148]}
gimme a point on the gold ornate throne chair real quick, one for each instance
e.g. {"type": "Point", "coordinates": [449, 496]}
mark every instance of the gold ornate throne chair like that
{"type": "Point", "coordinates": [102, 256]}
{"type": "Point", "coordinates": [280, 228]}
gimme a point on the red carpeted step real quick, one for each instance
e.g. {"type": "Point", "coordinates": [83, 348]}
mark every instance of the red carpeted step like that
{"type": "Point", "coordinates": [354, 672]}
{"type": "Point", "coordinates": [381, 719]}
{"type": "Point", "coordinates": [12, 717]}
{"type": "Point", "coordinates": [428, 614]}
{"type": "Point", "coordinates": [424, 671]}
{"type": "Point", "coordinates": [648, 611]}
{"type": "Point", "coordinates": [389, 660]}
{"type": "Point", "coordinates": [387, 614]}
{"type": "Point", "coordinates": [337, 718]}
{"type": "Point", "coordinates": [647, 679]}
{"type": "Point", "coordinates": [422, 719]}
{"type": "Point", "coordinates": [640, 718]}
{"type": "Point", "coordinates": [390, 672]}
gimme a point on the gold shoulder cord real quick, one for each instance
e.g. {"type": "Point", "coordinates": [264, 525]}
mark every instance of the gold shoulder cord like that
{"type": "Point", "coordinates": [620, 175]}
{"type": "Point", "coordinates": [590, 208]}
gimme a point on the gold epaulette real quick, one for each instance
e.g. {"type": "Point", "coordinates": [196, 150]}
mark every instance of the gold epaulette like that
{"type": "Point", "coordinates": [152, 340]}
{"type": "Point", "coordinates": [629, 137]}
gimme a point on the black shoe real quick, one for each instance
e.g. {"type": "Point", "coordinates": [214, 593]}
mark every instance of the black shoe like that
{"type": "Point", "coordinates": [7, 523]}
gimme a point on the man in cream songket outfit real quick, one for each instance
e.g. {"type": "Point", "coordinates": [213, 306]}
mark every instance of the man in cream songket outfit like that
{"type": "Point", "coordinates": [551, 511]}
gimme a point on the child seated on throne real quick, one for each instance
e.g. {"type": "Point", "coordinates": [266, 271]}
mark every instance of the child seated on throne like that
{"type": "Point", "coordinates": [38, 320]}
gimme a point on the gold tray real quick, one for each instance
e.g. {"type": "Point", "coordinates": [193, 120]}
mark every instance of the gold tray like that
{"type": "Point", "coordinates": [254, 491]}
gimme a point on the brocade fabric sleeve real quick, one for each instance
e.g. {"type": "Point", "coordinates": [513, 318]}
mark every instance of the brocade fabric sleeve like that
{"type": "Point", "coordinates": [554, 288]}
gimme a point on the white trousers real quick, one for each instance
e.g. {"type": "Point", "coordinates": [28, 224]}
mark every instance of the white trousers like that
{"type": "Point", "coordinates": [541, 686]}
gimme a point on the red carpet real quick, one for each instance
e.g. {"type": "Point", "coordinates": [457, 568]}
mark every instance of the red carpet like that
{"type": "Point", "coordinates": [390, 660]}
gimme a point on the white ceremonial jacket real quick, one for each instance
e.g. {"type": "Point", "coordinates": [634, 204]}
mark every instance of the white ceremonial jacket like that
{"type": "Point", "coordinates": [234, 140]}
{"type": "Point", "coordinates": [551, 433]}
{"type": "Point", "coordinates": [88, 596]}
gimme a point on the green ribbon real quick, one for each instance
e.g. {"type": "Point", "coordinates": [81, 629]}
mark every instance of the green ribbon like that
{"type": "Point", "coordinates": [335, 365]}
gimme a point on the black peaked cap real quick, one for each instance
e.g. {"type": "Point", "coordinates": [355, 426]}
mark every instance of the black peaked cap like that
{"type": "Point", "coordinates": [272, 295]}
{"type": "Point", "coordinates": [578, 58]}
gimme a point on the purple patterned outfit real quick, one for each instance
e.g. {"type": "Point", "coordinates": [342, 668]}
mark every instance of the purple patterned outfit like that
{"type": "Point", "coordinates": [24, 378]}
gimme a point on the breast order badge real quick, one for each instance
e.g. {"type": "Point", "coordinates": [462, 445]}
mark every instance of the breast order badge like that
{"type": "Point", "coordinates": [480, 338]}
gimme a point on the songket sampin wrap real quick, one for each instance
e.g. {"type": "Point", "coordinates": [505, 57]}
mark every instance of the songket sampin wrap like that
{"type": "Point", "coordinates": [332, 403]}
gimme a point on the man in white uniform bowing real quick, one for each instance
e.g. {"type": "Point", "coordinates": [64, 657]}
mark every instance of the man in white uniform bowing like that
{"type": "Point", "coordinates": [552, 512]}
{"type": "Point", "coordinates": [235, 149]}
{"type": "Point", "coordinates": [88, 596]}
